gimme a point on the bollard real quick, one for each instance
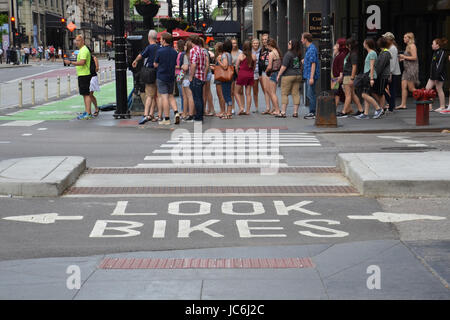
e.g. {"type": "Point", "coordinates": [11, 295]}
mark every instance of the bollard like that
{"type": "Point", "coordinates": [20, 94]}
{"type": "Point", "coordinates": [46, 88]}
{"type": "Point", "coordinates": [33, 93]}
{"type": "Point", "coordinates": [68, 85]}
{"type": "Point", "coordinates": [423, 99]}
{"type": "Point", "coordinates": [58, 87]}
{"type": "Point", "coordinates": [110, 73]}
{"type": "Point", "coordinates": [326, 112]}
{"type": "Point", "coordinates": [104, 76]}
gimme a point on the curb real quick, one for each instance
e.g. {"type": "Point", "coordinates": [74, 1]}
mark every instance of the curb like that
{"type": "Point", "coordinates": [372, 183]}
{"type": "Point", "coordinates": [22, 177]}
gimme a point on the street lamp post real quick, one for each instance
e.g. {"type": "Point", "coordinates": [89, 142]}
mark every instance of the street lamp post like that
{"type": "Point", "coordinates": [325, 110]}
{"type": "Point", "coordinates": [120, 60]}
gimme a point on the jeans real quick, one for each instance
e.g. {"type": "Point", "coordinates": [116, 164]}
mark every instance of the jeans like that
{"type": "Point", "coordinates": [180, 91]}
{"type": "Point", "coordinates": [197, 91]}
{"type": "Point", "coordinates": [226, 91]}
{"type": "Point", "coordinates": [393, 89]}
{"type": "Point", "coordinates": [311, 95]}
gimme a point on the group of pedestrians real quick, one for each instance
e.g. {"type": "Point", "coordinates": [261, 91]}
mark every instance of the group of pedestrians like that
{"type": "Point", "coordinates": [381, 78]}
{"type": "Point", "coordinates": [23, 54]}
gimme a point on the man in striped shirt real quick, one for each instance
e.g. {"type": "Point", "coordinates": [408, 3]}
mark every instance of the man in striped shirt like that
{"type": "Point", "coordinates": [197, 75]}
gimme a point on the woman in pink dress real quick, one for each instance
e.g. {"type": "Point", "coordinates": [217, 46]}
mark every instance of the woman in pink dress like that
{"type": "Point", "coordinates": [245, 66]}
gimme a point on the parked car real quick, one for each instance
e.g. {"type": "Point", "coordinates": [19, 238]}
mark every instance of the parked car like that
{"type": "Point", "coordinates": [111, 55]}
{"type": "Point", "coordinates": [71, 56]}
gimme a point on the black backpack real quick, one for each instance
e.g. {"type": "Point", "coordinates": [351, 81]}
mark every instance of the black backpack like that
{"type": "Point", "coordinates": [92, 65]}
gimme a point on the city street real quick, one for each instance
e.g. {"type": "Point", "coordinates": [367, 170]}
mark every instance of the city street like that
{"type": "Point", "coordinates": [134, 202]}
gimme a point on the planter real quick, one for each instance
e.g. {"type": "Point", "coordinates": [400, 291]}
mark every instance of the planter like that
{"type": "Point", "coordinates": [148, 11]}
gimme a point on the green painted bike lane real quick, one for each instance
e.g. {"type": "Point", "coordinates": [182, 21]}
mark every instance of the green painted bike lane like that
{"type": "Point", "coordinates": [67, 108]}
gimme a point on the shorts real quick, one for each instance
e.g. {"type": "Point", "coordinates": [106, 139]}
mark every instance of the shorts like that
{"type": "Point", "coordinates": [84, 83]}
{"type": "Point", "coordinates": [165, 87]}
{"type": "Point", "coordinates": [209, 76]}
{"type": "Point", "coordinates": [94, 84]}
{"type": "Point", "coordinates": [256, 76]}
{"type": "Point", "coordinates": [273, 76]}
{"type": "Point", "coordinates": [186, 83]}
{"type": "Point", "coordinates": [245, 81]}
{"type": "Point", "coordinates": [347, 80]}
{"type": "Point", "coordinates": [380, 86]}
{"type": "Point", "coordinates": [150, 90]}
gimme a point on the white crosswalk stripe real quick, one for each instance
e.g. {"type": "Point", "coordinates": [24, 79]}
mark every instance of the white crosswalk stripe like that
{"type": "Point", "coordinates": [225, 149]}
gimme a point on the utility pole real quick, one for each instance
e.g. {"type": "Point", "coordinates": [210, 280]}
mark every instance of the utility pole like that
{"type": "Point", "coordinates": [325, 46]}
{"type": "Point", "coordinates": [181, 7]}
{"type": "Point", "coordinates": [325, 110]}
{"type": "Point", "coordinates": [120, 60]}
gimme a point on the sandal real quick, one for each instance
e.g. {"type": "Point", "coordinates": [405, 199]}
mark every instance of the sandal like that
{"type": "Point", "coordinates": [157, 119]}
{"type": "Point", "coordinates": [295, 115]}
{"type": "Point", "coordinates": [241, 113]}
{"type": "Point", "coordinates": [266, 112]}
{"type": "Point", "coordinates": [281, 115]}
{"type": "Point", "coordinates": [211, 114]}
{"type": "Point", "coordinates": [95, 114]}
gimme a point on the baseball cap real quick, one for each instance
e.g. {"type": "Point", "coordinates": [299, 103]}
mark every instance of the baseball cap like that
{"type": "Point", "coordinates": [389, 35]}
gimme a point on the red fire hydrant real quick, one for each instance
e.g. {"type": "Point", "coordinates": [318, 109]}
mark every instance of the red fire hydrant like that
{"type": "Point", "coordinates": [423, 99]}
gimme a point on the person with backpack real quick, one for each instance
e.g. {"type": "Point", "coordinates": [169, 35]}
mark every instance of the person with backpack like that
{"type": "Point", "coordinates": [83, 66]}
{"type": "Point", "coordinates": [148, 75]}
{"type": "Point", "coordinates": [94, 86]}
{"type": "Point", "coordinates": [383, 71]}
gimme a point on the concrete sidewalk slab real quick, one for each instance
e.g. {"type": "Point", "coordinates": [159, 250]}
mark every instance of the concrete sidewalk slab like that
{"type": "Point", "coordinates": [39, 176]}
{"type": "Point", "coordinates": [393, 175]}
{"type": "Point", "coordinates": [340, 272]}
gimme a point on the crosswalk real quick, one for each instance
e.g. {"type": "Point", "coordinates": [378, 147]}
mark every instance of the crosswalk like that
{"type": "Point", "coordinates": [227, 149]}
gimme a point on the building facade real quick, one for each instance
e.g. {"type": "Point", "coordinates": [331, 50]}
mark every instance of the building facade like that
{"type": "Point", "coordinates": [427, 19]}
{"type": "Point", "coordinates": [41, 21]}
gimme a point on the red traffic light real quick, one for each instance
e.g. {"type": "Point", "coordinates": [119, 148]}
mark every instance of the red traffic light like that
{"type": "Point", "coordinates": [204, 25]}
{"type": "Point", "coordinates": [17, 34]}
{"type": "Point", "coordinates": [13, 19]}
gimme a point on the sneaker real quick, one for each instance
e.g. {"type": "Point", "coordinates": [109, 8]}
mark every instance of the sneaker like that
{"type": "Point", "coordinates": [164, 122]}
{"type": "Point", "coordinates": [445, 111]}
{"type": "Point", "coordinates": [362, 116]}
{"type": "Point", "coordinates": [81, 116]}
{"type": "Point", "coordinates": [190, 119]}
{"type": "Point", "coordinates": [310, 116]}
{"type": "Point", "coordinates": [143, 120]}
{"type": "Point", "coordinates": [87, 116]}
{"type": "Point", "coordinates": [341, 115]}
{"type": "Point", "coordinates": [378, 114]}
{"type": "Point", "coordinates": [177, 118]}
{"type": "Point", "coordinates": [358, 113]}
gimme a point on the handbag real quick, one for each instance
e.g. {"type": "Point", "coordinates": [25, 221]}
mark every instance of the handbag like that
{"type": "Point", "coordinates": [224, 75]}
{"type": "Point", "coordinates": [148, 75]}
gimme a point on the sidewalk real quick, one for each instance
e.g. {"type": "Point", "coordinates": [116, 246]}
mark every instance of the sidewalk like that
{"type": "Point", "coordinates": [320, 271]}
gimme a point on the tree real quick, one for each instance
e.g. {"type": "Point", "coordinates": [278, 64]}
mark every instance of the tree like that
{"type": "Point", "coordinates": [3, 20]}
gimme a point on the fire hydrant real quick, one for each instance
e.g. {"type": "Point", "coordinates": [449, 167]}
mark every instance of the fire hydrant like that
{"type": "Point", "coordinates": [423, 99]}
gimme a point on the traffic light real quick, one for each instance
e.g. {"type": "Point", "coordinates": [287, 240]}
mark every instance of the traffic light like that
{"type": "Point", "coordinates": [13, 19]}
{"type": "Point", "coordinates": [63, 21]}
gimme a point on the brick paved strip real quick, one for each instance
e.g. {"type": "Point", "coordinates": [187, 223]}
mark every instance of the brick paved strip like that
{"type": "Point", "coordinates": [219, 263]}
{"type": "Point", "coordinates": [207, 170]}
{"type": "Point", "coordinates": [213, 190]}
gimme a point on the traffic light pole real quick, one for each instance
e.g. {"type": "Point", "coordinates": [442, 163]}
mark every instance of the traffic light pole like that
{"type": "Point", "coordinates": [120, 60]}
{"type": "Point", "coordinates": [13, 24]}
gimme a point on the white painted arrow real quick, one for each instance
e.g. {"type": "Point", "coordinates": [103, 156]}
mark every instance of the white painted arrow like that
{"type": "Point", "coordinates": [395, 217]}
{"type": "Point", "coordinates": [44, 218]}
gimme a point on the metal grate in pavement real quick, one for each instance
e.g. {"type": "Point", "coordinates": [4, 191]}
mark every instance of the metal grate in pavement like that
{"type": "Point", "coordinates": [329, 190]}
{"type": "Point", "coordinates": [207, 170]}
{"type": "Point", "coordinates": [201, 263]}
